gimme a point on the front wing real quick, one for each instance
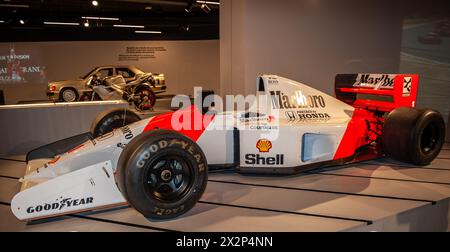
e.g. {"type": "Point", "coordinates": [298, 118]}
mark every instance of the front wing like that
{"type": "Point", "coordinates": [86, 189]}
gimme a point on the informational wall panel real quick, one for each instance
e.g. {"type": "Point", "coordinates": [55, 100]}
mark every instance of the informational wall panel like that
{"type": "Point", "coordinates": [26, 68]}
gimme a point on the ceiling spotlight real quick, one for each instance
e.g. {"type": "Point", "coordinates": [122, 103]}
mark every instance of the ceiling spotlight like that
{"type": "Point", "coordinates": [102, 18]}
{"type": "Point", "coordinates": [60, 23]}
{"type": "Point", "coordinates": [185, 28]}
{"type": "Point", "coordinates": [208, 2]}
{"type": "Point", "coordinates": [95, 3]}
{"type": "Point", "coordinates": [22, 22]}
{"type": "Point", "coordinates": [149, 8]}
{"type": "Point", "coordinates": [15, 5]}
{"type": "Point", "coordinates": [189, 7]}
{"type": "Point", "coordinates": [205, 8]}
{"type": "Point", "coordinates": [129, 26]}
{"type": "Point", "coordinates": [148, 32]}
{"type": "Point", "coordinates": [86, 24]}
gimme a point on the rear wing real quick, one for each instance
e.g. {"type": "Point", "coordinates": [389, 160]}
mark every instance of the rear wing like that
{"type": "Point", "coordinates": [382, 92]}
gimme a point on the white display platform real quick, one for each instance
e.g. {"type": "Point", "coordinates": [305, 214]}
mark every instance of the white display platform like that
{"type": "Point", "coordinates": [378, 195]}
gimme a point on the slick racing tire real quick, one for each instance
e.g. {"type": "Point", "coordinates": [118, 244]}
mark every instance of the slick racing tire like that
{"type": "Point", "coordinates": [162, 174]}
{"type": "Point", "coordinates": [112, 119]}
{"type": "Point", "coordinates": [413, 135]}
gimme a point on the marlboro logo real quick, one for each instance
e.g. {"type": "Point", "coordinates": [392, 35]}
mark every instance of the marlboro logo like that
{"type": "Point", "coordinates": [375, 80]}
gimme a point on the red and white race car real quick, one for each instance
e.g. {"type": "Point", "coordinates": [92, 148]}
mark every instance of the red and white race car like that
{"type": "Point", "coordinates": [159, 165]}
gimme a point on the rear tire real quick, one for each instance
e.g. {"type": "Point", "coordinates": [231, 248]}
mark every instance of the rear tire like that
{"type": "Point", "coordinates": [162, 174]}
{"type": "Point", "coordinates": [413, 135]}
{"type": "Point", "coordinates": [147, 98]}
{"type": "Point", "coordinates": [112, 119]}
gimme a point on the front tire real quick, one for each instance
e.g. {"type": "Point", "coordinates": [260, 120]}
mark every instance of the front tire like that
{"type": "Point", "coordinates": [413, 135]}
{"type": "Point", "coordinates": [112, 119]}
{"type": "Point", "coordinates": [162, 174]}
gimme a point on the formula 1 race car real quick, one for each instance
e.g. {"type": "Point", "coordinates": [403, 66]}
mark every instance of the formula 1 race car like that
{"type": "Point", "coordinates": [159, 165]}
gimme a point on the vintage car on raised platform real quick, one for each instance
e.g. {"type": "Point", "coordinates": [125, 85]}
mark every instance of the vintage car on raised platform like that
{"type": "Point", "coordinates": [73, 90]}
{"type": "Point", "coordinates": [159, 165]}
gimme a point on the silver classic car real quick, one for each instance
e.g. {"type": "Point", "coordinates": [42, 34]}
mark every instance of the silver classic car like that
{"type": "Point", "coordinates": [73, 90]}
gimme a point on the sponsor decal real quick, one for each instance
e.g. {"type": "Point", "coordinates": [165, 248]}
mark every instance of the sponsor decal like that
{"type": "Point", "coordinates": [105, 136]}
{"type": "Point", "coordinates": [264, 145]}
{"type": "Point", "coordinates": [252, 119]}
{"type": "Point", "coordinates": [271, 118]}
{"type": "Point", "coordinates": [60, 204]}
{"type": "Point", "coordinates": [303, 115]}
{"type": "Point", "coordinates": [407, 81]}
{"type": "Point", "coordinates": [257, 159]}
{"type": "Point", "coordinates": [54, 160]}
{"type": "Point", "coordinates": [127, 132]}
{"type": "Point", "coordinates": [162, 144]}
{"type": "Point", "coordinates": [263, 127]}
{"type": "Point", "coordinates": [76, 148]}
{"type": "Point", "coordinates": [121, 145]}
{"type": "Point", "coordinates": [375, 80]}
{"type": "Point", "coordinates": [282, 101]}
{"type": "Point", "coordinates": [273, 81]}
{"type": "Point", "coordinates": [164, 211]}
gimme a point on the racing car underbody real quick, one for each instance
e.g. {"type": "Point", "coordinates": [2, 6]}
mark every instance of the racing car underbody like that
{"type": "Point", "coordinates": [161, 169]}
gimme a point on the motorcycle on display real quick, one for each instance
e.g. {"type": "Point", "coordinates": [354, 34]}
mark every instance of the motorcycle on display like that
{"type": "Point", "coordinates": [137, 92]}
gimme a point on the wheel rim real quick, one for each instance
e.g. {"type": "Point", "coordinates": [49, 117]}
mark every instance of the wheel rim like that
{"type": "Point", "coordinates": [429, 138]}
{"type": "Point", "coordinates": [69, 95]}
{"type": "Point", "coordinates": [168, 178]}
{"type": "Point", "coordinates": [146, 100]}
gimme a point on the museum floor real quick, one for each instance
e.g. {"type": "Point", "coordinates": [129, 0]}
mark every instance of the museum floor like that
{"type": "Point", "coordinates": [371, 196]}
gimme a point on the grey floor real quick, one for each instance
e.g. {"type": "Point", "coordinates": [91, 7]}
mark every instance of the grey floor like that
{"type": "Point", "coordinates": [378, 195]}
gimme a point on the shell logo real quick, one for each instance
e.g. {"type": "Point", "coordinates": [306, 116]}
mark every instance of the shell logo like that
{"type": "Point", "coordinates": [264, 145]}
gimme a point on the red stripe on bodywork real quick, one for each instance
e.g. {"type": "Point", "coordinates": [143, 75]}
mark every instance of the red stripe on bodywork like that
{"type": "Point", "coordinates": [189, 122]}
{"type": "Point", "coordinates": [76, 148]}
